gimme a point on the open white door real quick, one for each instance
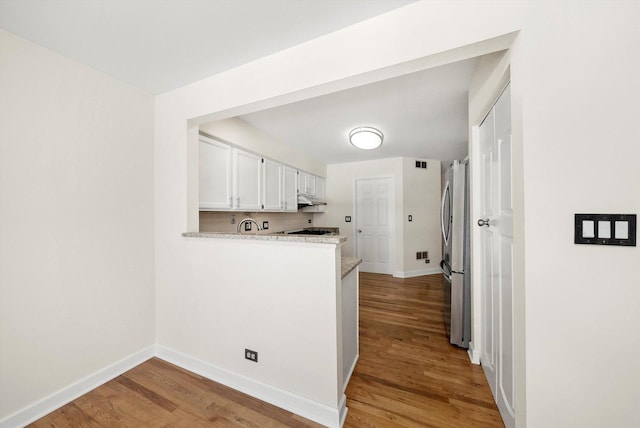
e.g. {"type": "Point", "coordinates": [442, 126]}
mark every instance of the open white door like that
{"type": "Point", "coordinates": [374, 228]}
{"type": "Point", "coordinates": [496, 243]}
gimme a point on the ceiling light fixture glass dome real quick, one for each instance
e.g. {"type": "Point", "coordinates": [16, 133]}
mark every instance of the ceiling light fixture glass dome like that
{"type": "Point", "coordinates": [366, 137]}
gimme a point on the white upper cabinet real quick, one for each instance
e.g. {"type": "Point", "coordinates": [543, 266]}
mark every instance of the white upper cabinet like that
{"type": "Point", "coordinates": [273, 187]}
{"type": "Point", "coordinates": [290, 189]}
{"type": "Point", "coordinates": [215, 183]}
{"type": "Point", "coordinates": [237, 180]}
{"type": "Point", "coordinates": [306, 184]}
{"type": "Point", "coordinates": [320, 188]}
{"type": "Point", "coordinates": [311, 185]}
{"type": "Point", "coordinates": [248, 180]}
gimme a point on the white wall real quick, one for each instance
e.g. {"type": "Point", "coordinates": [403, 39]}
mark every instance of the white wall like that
{"type": "Point", "coordinates": [421, 199]}
{"type": "Point", "coordinates": [579, 91]}
{"type": "Point", "coordinates": [76, 209]}
{"type": "Point", "coordinates": [277, 298]}
{"type": "Point", "coordinates": [417, 192]}
{"type": "Point", "coordinates": [240, 133]}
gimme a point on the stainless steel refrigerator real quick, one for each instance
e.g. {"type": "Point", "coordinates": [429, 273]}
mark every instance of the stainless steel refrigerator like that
{"type": "Point", "coordinates": [456, 262]}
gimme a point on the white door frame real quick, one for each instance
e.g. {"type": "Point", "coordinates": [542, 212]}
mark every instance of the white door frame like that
{"type": "Point", "coordinates": [392, 216]}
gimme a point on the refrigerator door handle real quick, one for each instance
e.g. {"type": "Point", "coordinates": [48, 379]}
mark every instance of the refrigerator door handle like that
{"type": "Point", "coordinates": [445, 235]}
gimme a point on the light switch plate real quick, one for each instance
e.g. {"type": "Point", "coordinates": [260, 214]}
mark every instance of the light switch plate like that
{"type": "Point", "coordinates": [605, 229]}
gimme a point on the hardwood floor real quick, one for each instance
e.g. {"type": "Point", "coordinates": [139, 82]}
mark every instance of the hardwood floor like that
{"type": "Point", "coordinates": [407, 376]}
{"type": "Point", "coordinates": [159, 394]}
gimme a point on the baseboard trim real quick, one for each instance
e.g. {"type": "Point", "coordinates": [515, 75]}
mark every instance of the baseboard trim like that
{"type": "Point", "coordinates": [474, 354]}
{"type": "Point", "coordinates": [317, 412]}
{"type": "Point", "coordinates": [64, 396]}
{"type": "Point", "coordinates": [419, 272]}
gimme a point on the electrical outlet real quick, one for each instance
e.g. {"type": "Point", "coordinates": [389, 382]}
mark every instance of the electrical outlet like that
{"type": "Point", "coordinates": [233, 219]}
{"type": "Point", "coordinates": [347, 219]}
{"type": "Point", "coordinates": [425, 254]}
{"type": "Point", "coordinates": [247, 226]}
{"type": "Point", "coordinates": [410, 217]}
{"type": "Point", "coordinates": [427, 261]}
{"type": "Point", "coordinates": [251, 355]}
{"type": "Point", "coordinates": [265, 225]}
{"type": "Point", "coordinates": [419, 255]}
{"type": "Point", "coordinates": [309, 221]}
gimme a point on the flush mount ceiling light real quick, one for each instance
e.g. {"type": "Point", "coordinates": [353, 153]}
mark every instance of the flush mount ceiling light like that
{"type": "Point", "coordinates": [365, 137]}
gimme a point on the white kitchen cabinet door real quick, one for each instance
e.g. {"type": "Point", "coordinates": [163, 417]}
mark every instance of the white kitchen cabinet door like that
{"type": "Point", "coordinates": [272, 185]}
{"type": "Point", "coordinates": [290, 189]}
{"type": "Point", "coordinates": [303, 179]}
{"type": "Point", "coordinates": [214, 170]}
{"type": "Point", "coordinates": [248, 180]}
{"type": "Point", "coordinates": [307, 183]}
{"type": "Point", "coordinates": [311, 185]}
{"type": "Point", "coordinates": [320, 188]}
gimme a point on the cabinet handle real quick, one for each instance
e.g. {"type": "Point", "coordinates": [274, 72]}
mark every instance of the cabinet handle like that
{"type": "Point", "coordinates": [238, 202]}
{"type": "Point", "coordinates": [230, 201]}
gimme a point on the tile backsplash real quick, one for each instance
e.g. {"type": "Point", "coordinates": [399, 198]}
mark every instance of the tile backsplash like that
{"type": "Point", "coordinates": [220, 221]}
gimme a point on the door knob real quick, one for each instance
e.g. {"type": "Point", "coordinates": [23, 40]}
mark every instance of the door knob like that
{"type": "Point", "coordinates": [482, 222]}
{"type": "Point", "coordinates": [359, 230]}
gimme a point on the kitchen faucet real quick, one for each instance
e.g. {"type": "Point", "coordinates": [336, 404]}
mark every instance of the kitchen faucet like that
{"type": "Point", "coordinates": [248, 220]}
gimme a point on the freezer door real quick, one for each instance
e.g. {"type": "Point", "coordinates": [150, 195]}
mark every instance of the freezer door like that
{"type": "Point", "coordinates": [457, 297]}
{"type": "Point", "coordinates": [457, 218]}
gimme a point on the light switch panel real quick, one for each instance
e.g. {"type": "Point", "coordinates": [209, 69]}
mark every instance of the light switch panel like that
{"type": "Point", "coordinates": [605, 229]}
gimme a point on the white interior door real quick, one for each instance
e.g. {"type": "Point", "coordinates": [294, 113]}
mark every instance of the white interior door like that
{"type": "Point", "coordinates": [496, 242]}
{"type": "Point", "coordinates": [374, 202]}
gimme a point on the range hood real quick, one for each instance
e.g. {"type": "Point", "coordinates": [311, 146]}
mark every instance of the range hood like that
{"type": "Point", "coordinates": [307, 201]}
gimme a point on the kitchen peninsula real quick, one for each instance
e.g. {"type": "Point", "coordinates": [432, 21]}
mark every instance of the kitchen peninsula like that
{"type": "Point", "coordinates": [291, 298]}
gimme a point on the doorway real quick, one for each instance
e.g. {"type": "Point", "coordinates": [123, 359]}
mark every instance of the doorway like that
{"type": "Point", "coordinates": [374, 223]}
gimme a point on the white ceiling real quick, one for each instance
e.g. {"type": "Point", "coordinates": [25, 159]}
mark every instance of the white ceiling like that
{"type": "Point", "coordinates": [159, 45]}
{"type": "Point", "coordinates": [421, 115]}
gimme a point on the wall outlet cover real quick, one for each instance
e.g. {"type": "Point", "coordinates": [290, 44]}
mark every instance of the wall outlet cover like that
{"type": "Point", "coordinates": [251, 355]}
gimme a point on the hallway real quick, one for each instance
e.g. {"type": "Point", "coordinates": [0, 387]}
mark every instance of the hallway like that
{"type": "Point", "coordinates": [408, 374]}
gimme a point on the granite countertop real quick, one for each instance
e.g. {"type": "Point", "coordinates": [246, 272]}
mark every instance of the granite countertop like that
{"type": "Point", "coordinates": [349, 264]}
{"type": "Point", "coordinates": [317, 239]}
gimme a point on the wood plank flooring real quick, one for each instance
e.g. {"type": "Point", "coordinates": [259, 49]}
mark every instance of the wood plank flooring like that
{"type": "Point", "coordinates": [407, 376]}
